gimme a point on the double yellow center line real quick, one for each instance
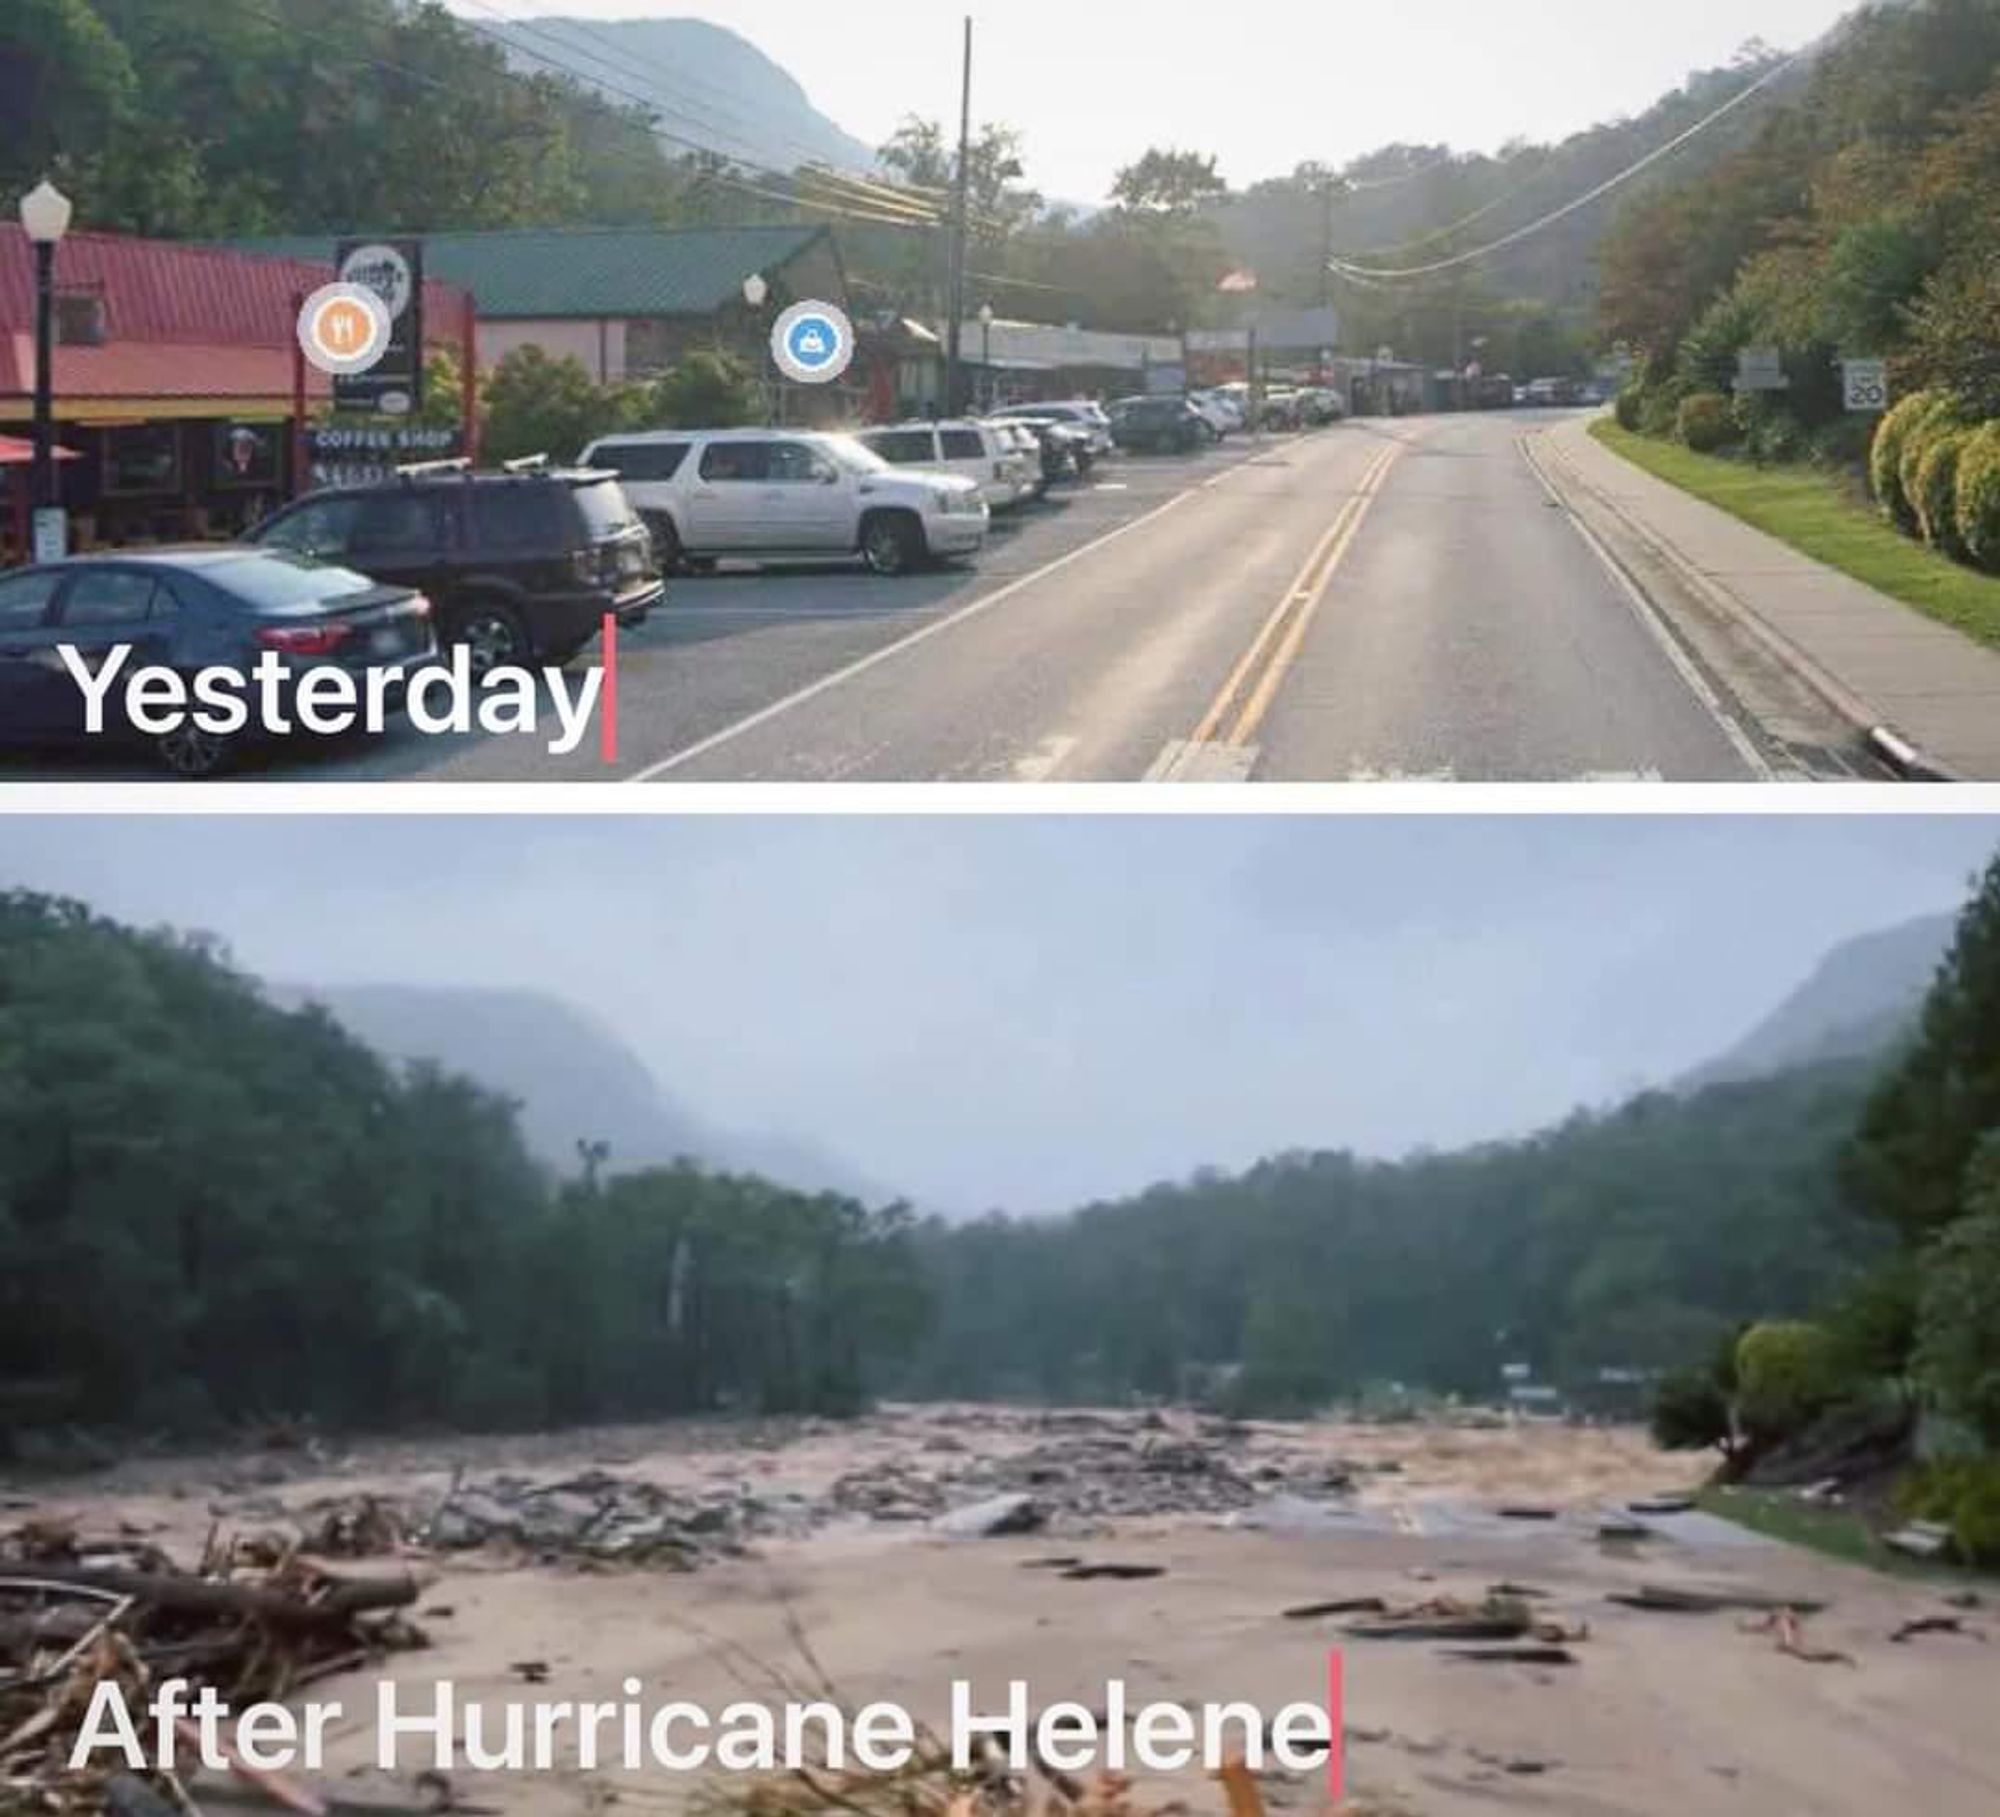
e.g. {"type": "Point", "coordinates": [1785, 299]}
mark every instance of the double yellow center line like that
{"type": "Point", "coordinates": [1253, 684]}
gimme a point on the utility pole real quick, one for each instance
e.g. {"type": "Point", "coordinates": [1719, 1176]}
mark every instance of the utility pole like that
{"type": "Point", "coordinates": [956, 303]}
{"type": "Point", "coordinates": [1326, 241]}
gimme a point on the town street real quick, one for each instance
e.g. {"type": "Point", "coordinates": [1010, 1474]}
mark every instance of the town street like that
{"type": "Point", "coordinates": [1382, 599]}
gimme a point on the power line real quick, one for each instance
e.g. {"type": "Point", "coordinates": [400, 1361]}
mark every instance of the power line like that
{"type": "Point", "coordinates": [1344, 269]}
{"type": "Point", "coordinates": [883, 197]}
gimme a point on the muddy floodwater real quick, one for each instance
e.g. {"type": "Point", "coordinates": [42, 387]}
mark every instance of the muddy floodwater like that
{"type": "Point", "coordinates": [1186, 1559]}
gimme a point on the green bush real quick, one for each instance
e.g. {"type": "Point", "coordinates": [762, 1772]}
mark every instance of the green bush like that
{"type": "Point", "coordinates": [1885, 455]}
{"type": "Point", "coordinates": [1690, 1412]}
{"type": "Point", "coordinates": [1627, 408]}
{"type": "Point", "coordinates": [1979, 497]}
{"type": "Point", "coordinates": [1958, 1322]}
{"type": "Point", "coordinates": [1924, 435]}
{"type": "Point", "coordinates": [1660, 408]}
{"type": "Point", "coordinates": [1704, 423]}
{"type": "Point", "coordinates": [1844, 442]}
{"type": "Point", "coordinates": [1934, 497]}
{"type": "Point", "coordinates": [1964, 1494]}
{"type": "Point", "coordinates": [1787, 1373]}
{"type": "Point", "coordinates": [1771, 435]}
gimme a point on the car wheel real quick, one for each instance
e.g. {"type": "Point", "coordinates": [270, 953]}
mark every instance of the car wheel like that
{"type": "Point", "coordinates": [195, 755]}
{"type": "Point", "coordinates": [666, 541]}
{"type": "Point", "coordinates": [494, 634]}
{"type": "Point", "coordinates": [890, 543]}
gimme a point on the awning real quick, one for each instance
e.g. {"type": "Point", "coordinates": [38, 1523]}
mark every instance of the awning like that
{"type": "Point", "coordinates": [14, 452]}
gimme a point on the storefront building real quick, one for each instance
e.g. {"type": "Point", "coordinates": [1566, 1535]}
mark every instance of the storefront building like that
{"type": "Point", "coordinates": [174, 374]}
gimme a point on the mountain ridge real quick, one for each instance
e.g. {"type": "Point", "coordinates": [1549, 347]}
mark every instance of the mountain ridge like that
{"type": "Point", "coordinates": [711, 85]}
{"type": "Point", "coordinates": [1859, 999]}
{"type": "Point", "coordinates": [574, 1077]}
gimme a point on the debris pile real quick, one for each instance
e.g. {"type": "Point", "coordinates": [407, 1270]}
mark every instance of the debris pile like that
{"type": "Point", "coordinates": [598, 1516]}
{"type": "Point", "coordinates": [253, 1622]}
{"type": "Point", "coordinates": [1095, 1467]}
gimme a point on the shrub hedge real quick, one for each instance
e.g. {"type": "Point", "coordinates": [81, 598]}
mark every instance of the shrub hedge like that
{"type": "Point", "coordinates": [1934, 496]}
{"type": "Point", "coordinates": [1703, 422]}
{"type": "Point", "coordinates": [1979, 496]}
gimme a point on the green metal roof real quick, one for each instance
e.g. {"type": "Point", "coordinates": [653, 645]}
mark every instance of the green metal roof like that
{"type": "Point", "coordinates": [590, 271]}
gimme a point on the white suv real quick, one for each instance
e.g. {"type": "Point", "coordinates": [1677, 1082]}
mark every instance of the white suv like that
{"type": "Point", "coordinates": [707, 493]}
{"type": "Point", "coordinates": [978, 451]}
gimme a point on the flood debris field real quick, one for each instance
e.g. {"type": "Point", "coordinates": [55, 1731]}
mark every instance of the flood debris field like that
{"type": "Point", "coordinates": [1528, 1615]}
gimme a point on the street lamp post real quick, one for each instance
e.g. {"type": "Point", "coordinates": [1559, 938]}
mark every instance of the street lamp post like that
{"type": "Point", "coordinates": [755, 290]}
{"type": "Point", "coordinates": [986, 351]}
{"type": "Point", "coordinates": [45, 212]}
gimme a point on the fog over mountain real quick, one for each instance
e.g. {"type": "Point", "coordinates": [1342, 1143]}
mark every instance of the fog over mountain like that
{"type": "Point", "coordinates": [1031, 1012]}
{"type": "Point", "coordinates": [1862, 997]}
{"type": "Point", "coordinates": [572, 1075]}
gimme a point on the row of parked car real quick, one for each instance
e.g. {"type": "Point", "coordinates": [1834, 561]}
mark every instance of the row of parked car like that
{"type": "Point", "coordinates": [520, 565]}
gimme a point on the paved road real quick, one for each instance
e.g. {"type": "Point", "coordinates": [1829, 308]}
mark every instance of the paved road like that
{"type": "Point", "coordinates": [1376, 600]}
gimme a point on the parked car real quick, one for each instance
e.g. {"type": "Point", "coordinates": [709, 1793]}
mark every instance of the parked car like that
{"type": "Point", "coordinates": [789, 493]}
{"type": "Point", "coordinates": [1283, 408]}
{"type": "Point", "coordinates": [1027, 445]}
{"type": "Point", "coordinates": [975, 451]}
{"type": "Point", "coordinates": [1159, 424]}
{"type": "Point", "coordinates": [1221, 410]}
{"type": "Point", "coordinates": [523, 564]}
{"type": "Point", "coordinates": [186, 610]}
{"type": "Point", "coordinates": [1320, 405]}
{"type": "Point", "coordinates": [1068, 451]}
{"type": "Point", "coordinates": [1082, 412]}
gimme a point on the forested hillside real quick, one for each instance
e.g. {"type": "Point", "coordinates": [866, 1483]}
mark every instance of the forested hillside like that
{"type": "Point", "coordinates": [1862, 219]}
{"type": "Point", "coordinates": [212, 1207]}
{"type": "Point", "coordinates": [1625, 1238]}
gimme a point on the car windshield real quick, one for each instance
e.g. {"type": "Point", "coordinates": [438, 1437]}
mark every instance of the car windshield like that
{"type": "Point", "coordinates": [852, 455]}
{"type": "Point", "coordinates": [275, 582]}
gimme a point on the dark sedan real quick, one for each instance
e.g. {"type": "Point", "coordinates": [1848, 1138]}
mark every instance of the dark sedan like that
{"type": "Point", "coordinates": [187, 610]}
{"type": "Point", "coordinates": [1158, 425]}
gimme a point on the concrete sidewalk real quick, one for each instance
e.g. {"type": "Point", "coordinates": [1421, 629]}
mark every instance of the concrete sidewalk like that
{"type": "Point", "coordinates": [1879, 663]}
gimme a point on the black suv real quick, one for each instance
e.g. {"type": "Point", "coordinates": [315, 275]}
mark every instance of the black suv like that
{"type": "Point", "coordinates": [520, 565]}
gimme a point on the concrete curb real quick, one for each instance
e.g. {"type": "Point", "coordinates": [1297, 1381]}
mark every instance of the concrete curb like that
{"type": "Point", "coordinates": [1901, 755]}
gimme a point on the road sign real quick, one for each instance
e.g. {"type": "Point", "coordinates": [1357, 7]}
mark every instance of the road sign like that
{"type": "Point", "coordinates": [1866, 384]}
{"type": "Point", "coordinates": [813, 343]}
{"type": "Point", "coordinates": [1761, 369]}
{"type": "Point", "coordinates": [393, 270]}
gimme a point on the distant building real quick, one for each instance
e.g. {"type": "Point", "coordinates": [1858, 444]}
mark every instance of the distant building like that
{"type": "Point", "coordinates": [626, 301]}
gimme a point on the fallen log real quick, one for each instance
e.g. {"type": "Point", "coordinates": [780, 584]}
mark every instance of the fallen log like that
{"type": "Point", "coordinates": [342, 1601]}
{"type": "Point", "coordinates": [1670, 1600]}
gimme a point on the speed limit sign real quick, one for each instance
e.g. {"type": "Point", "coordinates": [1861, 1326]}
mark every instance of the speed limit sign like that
{"type": "Point", "coordinates": [1866, 383]}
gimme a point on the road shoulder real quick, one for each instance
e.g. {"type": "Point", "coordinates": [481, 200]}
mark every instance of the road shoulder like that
{"type": "Point", "coordinates": [1821, 658]}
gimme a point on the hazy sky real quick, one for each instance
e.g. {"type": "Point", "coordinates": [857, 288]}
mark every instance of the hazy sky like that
{"type": "Point", "coordinates": [1028, 1012]}
{"type": "Point", "coordinates": [1265, 84]}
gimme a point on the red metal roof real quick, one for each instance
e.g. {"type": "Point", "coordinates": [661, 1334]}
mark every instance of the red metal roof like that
{"type": "Point", "coordinates": [181, 321]}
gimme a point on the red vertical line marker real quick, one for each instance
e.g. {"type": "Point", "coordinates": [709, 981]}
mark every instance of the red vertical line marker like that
{"type": "Point", "coordinates": [607, 708]}
{"type": "Point", "coordinates": [1336, 1751]}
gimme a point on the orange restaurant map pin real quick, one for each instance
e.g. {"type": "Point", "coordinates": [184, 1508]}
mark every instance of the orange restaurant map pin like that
{"type": "Point", "coordinates": [344, 328]}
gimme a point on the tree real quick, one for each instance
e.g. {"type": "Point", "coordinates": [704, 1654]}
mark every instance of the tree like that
{"type": "Point", "coordinates": [1908, 1163]}
{"type": "Point", "coordinates": [703, 389]}
{"type": "Point", "coordinates": [1165, 182]}
{"type": "Point", "coordinates": [1957, 1351]}
{"type": "Point", "coordinates": [536, 404]}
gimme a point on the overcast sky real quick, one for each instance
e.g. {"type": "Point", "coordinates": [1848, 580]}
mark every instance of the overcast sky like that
{"type": "Point", "coordinates": [1029, 1012]}
{"type": "Point", "coordinates": [1265, 84]}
